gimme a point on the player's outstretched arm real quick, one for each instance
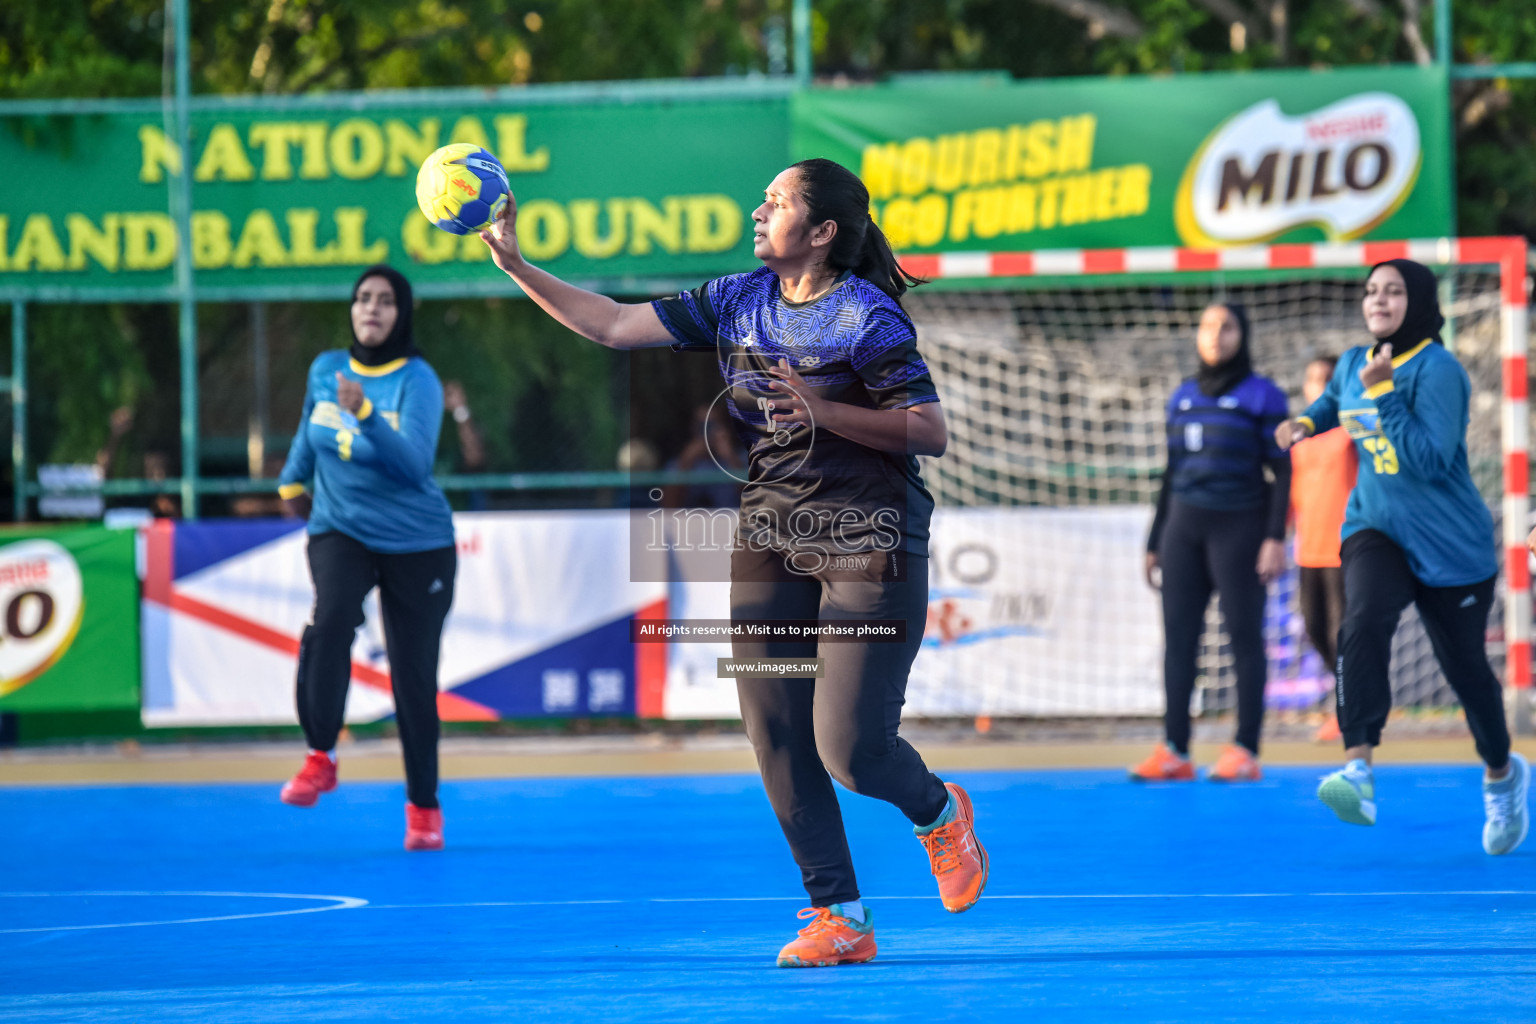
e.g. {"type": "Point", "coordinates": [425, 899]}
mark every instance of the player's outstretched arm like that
{"type": "Point", "coordinates": [597, 317]}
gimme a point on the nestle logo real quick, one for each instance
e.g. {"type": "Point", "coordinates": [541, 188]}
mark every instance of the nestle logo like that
{"type": "Point", "coordinates": [1326, 130]}
{"type": "Point", "coordinates": [21, 573]}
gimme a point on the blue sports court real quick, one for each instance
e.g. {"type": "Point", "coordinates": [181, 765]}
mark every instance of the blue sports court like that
{"type": "Point", "coordinates": [626, 899]}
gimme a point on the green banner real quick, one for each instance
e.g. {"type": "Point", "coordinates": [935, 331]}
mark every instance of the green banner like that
{"type": "Point", "coordinates": [291, 197]}
{"type": "Point", "coordinates": [1202, 160]}
{"type": "Point", "coordinates": [69, 620]}
{"type": "Point", "coordinates": [301, 196]}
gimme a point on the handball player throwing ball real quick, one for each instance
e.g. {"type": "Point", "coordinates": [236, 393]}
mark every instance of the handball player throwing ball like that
{"type": "Point", "coordinates": [825, 383]}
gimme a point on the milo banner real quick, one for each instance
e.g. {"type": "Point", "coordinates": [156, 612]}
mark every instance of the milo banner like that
{"type": "Point", "coordinates": [1201, 161]}
{"type": "Point", "coordinates": [69, 620]}
{"type": "Point", "coordinates": [300, 197]}
{"type": "Point", "coordinates": [291, 197]}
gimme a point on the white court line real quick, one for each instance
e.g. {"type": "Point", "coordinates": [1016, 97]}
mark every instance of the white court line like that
{"type": "Point", "coordinates": [1022, 896]}
{"type": "Point", "coordinates": [338, 903]}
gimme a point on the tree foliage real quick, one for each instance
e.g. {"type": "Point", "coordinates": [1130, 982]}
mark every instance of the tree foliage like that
{"type": "Point", "coordinates": [541, 384]}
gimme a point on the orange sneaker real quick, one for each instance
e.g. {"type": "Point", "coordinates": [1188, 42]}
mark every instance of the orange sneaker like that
{"type": "Point", "coordinates": [1328, 732]}
{"type": "Point", "coordinates": [423, 827]}
{"type": "Point", "coordinates": [1235, 764]}
{"type": "Point", "coordinates": [956, 857]}
{"type": "Point", "coordinates": [830, 939]}
{"type": "Point", "coordinates": [316, 776]}
{"type": "Point", "coordinates": [1163, 765]}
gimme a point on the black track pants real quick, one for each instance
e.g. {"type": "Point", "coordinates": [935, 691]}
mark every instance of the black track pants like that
{"type": "Point", "coordinates": [843, 726]}
{"type": "Point", "coordinates": [1320, 593]}
{"type": "Point", "coordinates": [415, 593]}
{"type": "Point", "coordinates": [1203, 550]}
{"type": "Point", "coordinates": [1378, 585]}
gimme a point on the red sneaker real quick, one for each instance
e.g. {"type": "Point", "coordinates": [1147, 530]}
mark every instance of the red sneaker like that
{"type": "Point", "coordinates": [318, 775]}
{"type": "Point", "coordinates": [1163, 765]}
{"type": "Point", "coordinates": [1235, 764]}
{"type": "Point", "coordinates": [1328, 732]}
{"type": "Point", "coordinates": [423, 827]}
{"type": "Point", "coordinates": [830, 939]}
{"type": "Point", "coordinates": [956, 857]}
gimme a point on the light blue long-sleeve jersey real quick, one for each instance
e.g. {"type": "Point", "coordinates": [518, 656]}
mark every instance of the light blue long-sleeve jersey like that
{"type": "Point", "coordinates": [1414, 483]}
{"type": "Point", "coordinates": [371, 474]}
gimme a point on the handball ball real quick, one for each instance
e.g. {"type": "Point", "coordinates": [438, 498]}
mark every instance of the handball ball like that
{"type": "Point", "coordinates": [461, 188]}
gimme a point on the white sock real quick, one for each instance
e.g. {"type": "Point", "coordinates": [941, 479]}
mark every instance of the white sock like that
{"type": "Point", "coordinates": [853, 910]}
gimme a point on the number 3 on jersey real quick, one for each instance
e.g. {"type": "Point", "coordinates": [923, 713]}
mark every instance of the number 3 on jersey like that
{"type": "Point", "coordinates": [1383, 453]}
{"type": "Point", "coordinates": [344, 446]}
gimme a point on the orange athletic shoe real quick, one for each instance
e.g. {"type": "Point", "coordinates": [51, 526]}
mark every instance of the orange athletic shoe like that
{"type": "Point", "coordinates": [1235, 764]}
{"type": "Point", "coordinates": [318, 775]}
{"type": "Point", "coordinates": [1163, 765]}
{"type": "Point", "coordinates": [956, 856]}
{"type": "Point", "coordinates": [830, 939]}
{"type": "Point", "coordinates": [423, 827]}
{"type": "Point", "coordinates": [1328, 732]}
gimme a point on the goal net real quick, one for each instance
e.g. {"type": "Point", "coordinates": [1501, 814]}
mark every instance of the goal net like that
{"type": "Point", "coordinates": [1055, 396]}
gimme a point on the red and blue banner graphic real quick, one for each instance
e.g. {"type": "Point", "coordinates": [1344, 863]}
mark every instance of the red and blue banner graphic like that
{"type": "Point", "coordinates": [540, 624]}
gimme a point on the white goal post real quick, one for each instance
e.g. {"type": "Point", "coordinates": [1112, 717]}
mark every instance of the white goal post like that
{"type": "Point", "coordinates": [1019, 360]}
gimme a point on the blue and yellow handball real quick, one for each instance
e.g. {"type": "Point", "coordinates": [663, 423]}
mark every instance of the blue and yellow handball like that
{"type": "Point", "coordinates": [461, 188]}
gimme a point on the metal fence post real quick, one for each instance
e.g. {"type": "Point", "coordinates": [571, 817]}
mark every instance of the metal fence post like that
{"type": "Point", "coordinates": [19, 406]}
{"type": "Point", "coordinates": [184, 285]}
{"type": "Point", "coordinates": [800, 25]}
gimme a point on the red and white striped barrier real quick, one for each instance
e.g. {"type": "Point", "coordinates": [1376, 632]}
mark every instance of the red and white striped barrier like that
{"type": "Point", "coordinates": [1508, 254]}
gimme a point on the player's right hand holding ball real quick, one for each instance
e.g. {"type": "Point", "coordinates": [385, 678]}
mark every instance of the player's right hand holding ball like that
{"type": "Point", "coordinates": [501, 237]}
{"type": "Point", "coordinates": [1289, 432]}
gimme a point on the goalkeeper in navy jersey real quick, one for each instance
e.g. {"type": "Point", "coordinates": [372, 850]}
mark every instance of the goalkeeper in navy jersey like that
{"type": "Point", "coordinates": [1219, 525]}
{"type": "Point", "coordinates": [825, 385]}
{"type": "Point", "coordinates": [1415, 531]}
{"type": "Point", "coordinates": [360, 470]}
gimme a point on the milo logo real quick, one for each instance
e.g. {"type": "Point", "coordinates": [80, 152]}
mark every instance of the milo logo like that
{"type": "Point", "coordinates": [41, 603]}
{"type": "Point", "coordinates": [1344, 169]}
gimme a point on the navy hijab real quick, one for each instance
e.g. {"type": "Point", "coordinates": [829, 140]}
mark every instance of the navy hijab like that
{"type": "Point", "coordinates": [1224, 376]}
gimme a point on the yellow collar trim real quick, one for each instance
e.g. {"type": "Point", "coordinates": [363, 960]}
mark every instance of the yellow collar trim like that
{"type": "Point", "coordinates": [380, 370]}
{"type": "Point", "coordinates": [1396, 360]}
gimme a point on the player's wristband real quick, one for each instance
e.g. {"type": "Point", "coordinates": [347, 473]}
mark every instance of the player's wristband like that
{"type": "Point", "coordinates": [461, 414]}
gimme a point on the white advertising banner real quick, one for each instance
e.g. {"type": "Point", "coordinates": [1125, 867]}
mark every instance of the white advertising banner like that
{"type": "Point", "coordinates": [1038, 612]}
{"type": "Point", "coordinates": [1031, 611]}
{"type": "Point", "coordinates": [539, 626]}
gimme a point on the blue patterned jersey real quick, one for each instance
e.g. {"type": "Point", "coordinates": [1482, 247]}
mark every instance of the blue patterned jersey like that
{"type": "Point", "coordinates": [813, 488]}
{"type": "Point", "coordinates": [1414, 483]}
{"type": "Point", "coordinates": [371, 474]}
{"type": "Point", "coordinates": [1218, 445]}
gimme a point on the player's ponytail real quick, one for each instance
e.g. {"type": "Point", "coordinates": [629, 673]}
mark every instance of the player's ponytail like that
{"type": "Point", "coordinates": [832, 192]}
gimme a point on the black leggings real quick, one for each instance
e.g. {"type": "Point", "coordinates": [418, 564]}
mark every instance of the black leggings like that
{"type": "Point", "coordinates": [415, 593]}
{"type": "Point", "coordinates": [1203, 550]}
{"type": "Point", "coordinates": [1320, 593]}
{"type": "Point", "coordinates": [1378, 585]}
{"type": "Point", "coordinates": [843, 726]}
